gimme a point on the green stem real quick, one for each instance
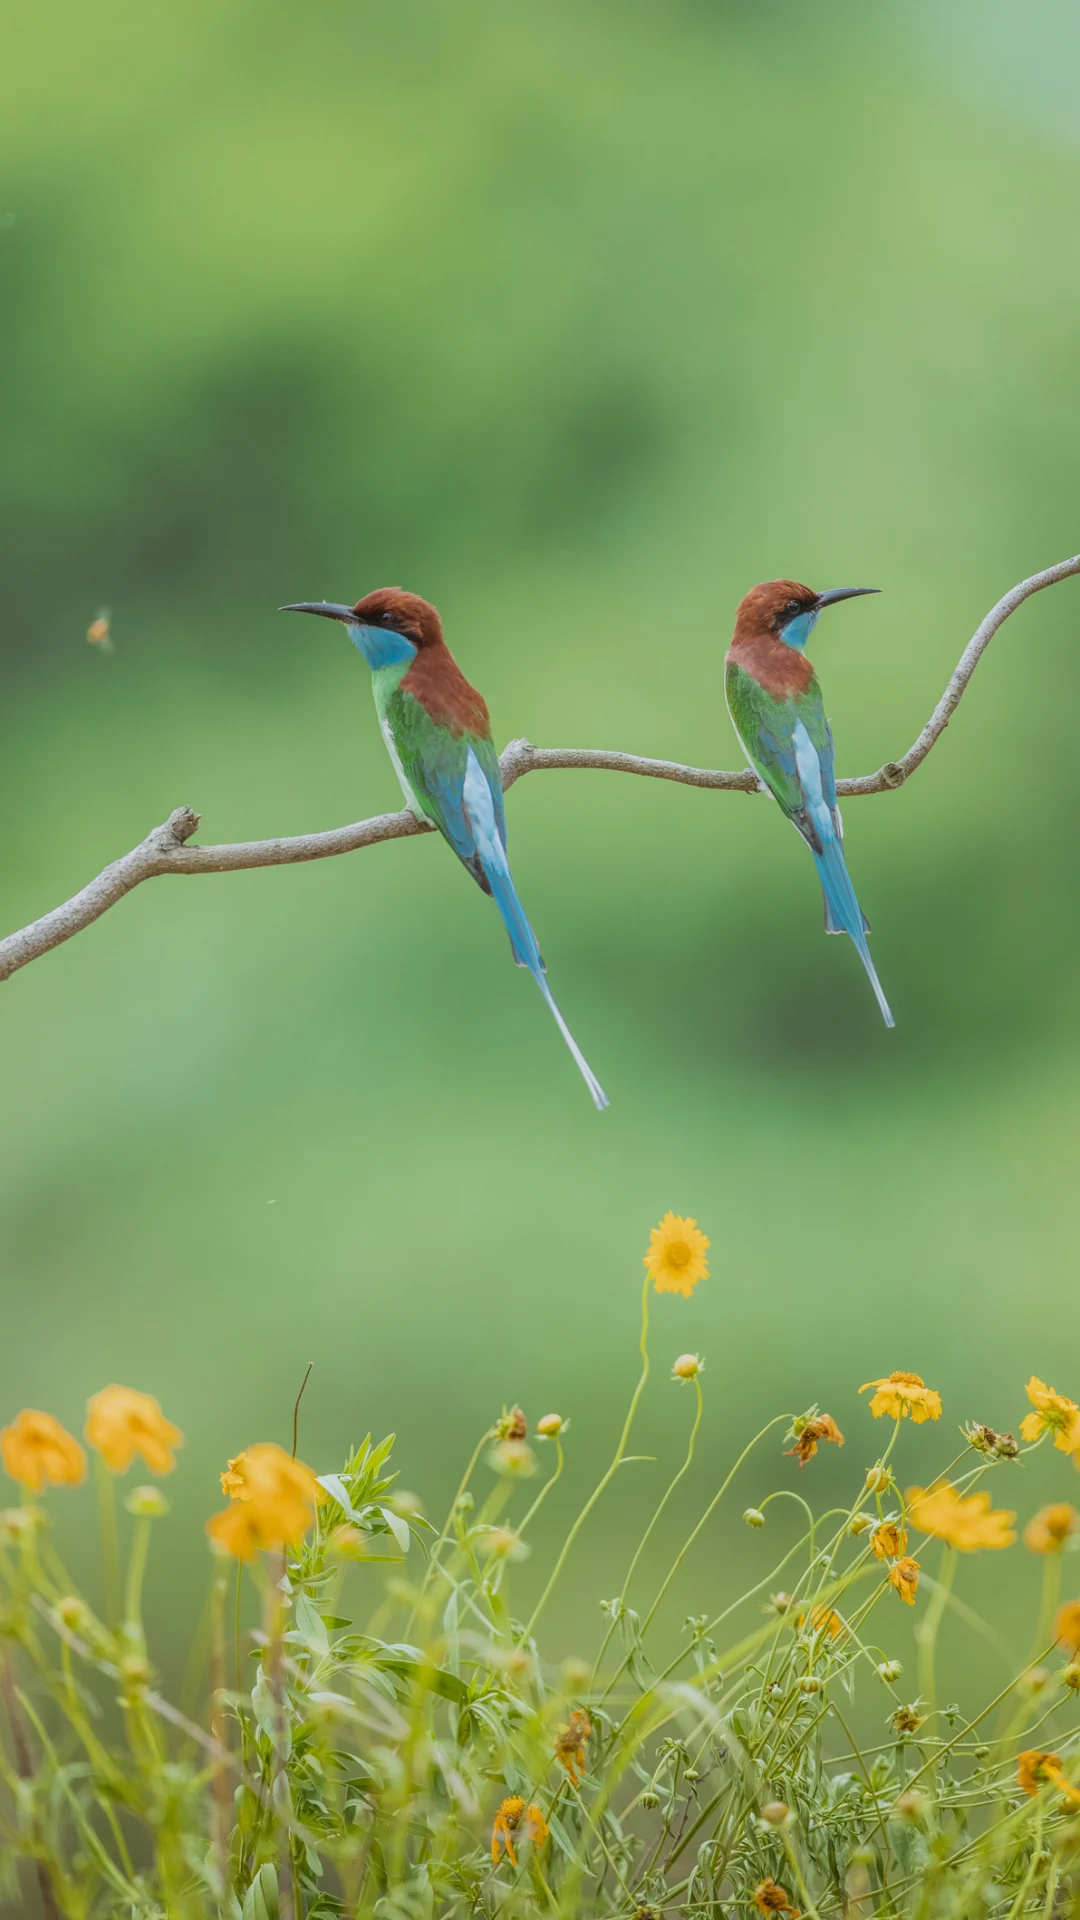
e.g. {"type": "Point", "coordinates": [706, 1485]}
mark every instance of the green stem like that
{"type": "Point", "coordinates": [110, 1538]}
{"type": "Point", "coordinates": [927, 1631]}
{"type": "Point", "coordinates": [546, 1488]}
{"type": "Point", "coordinates": [136, 1572]}
{"type": "Point", "coordinates": [608, 1476]}
{"type": "Point", "coordinates": [445, 1534]}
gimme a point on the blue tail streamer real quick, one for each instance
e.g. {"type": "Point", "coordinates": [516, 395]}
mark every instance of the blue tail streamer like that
{"type": "Point", "coordinates": [844, 915]}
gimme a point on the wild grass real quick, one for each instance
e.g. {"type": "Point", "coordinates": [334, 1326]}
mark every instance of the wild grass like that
{"type": "Point", "coordinates": [392, 1741]}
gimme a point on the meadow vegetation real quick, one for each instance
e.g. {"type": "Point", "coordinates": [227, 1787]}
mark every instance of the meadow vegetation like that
{"type": "Point", "coordinates": [389, 1739]}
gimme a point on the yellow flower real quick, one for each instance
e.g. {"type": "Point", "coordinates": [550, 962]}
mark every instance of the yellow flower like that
{"type": "Point", "coordinates": [967, 1523]}
{"type": "Point", "coordinates": [676, 1257]}
{"type": "Point", "coordinates": [511, 1815]}
{"type": "Point", "coordinates": [823, 1620]}
{"type": "Point", "coordinates": [1067, 1626]}
{"type": "Point", "coordinates": [570, 1745]}
{"type": "Point", "coordinates": [1051, 1527]}
{"type": "Point", "coordinates": [232, 1480]}
{"type": "Point", "coordinates": [121, 1423]}
{"type": "Point", "coordinates": [1053, 1414]}
{"type": "Point", "coordinates": [889, 1540]}
{"type": "Point", "coordinates": [901, 1394]}
{"type": "Point", "coordinates": [271, 1504]}
{"type": "Point", "coordinates": [38, 1452]}
{"type": "Point", "coordinates": [771, 1898]}
{"type": "Point", "coordinates": [904, 1576]}
{"type": "Point", "coordinates": [1035, 1769]}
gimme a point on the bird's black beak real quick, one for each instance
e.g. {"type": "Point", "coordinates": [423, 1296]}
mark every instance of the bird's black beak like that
{"type": "Point", "coordinates": [826, 599]}
{"type": "Point", "coordinates": [327, 608]}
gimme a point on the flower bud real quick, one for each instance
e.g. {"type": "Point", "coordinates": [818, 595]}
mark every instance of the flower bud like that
{"type": "Point", "coordinates": [754, 1517]}
{"type": "Point", "coordinates": [550, 1427]}
{"type": "Point", "coordinates": [775, 1812]}
{"type": "Point", "coordinates": [135, 1672]}
{"type": "Point", "coordinates": [18, 1522]}
{"type": "Point", "coordinates": [74, 1613]}
{"type": "Point", "coordinates": [148, 1502]}
{"type": "Point", "coordinates": [691, 1774]}
{"type": "Point", "coordinates": [513, 1458]}
{"type": "Point", "coordinates": [576, 1674]}
{"type": "Point", "coordinates": [809, 1683]}
{"type": "Point", "coordinates": [1070, 1676]}
{"type": "Point", "coordinates": [981, 1753]}
{"type": "Point", "coordinates": [911, 1804]}
{"type": "Point", "coordinates": [650, 1799]}
{"type": "Point", "coordinates": [1036, 1679]}
{"type": "Point", "coordinates": [859, 1523]}
{"type": "Point", "coordinates": [407, 1506]}
{"type": "Point", "coordinates": [780, 1602]}
{"type": "Point", "coordinates": [688, 1366]}
{"type": "Point", "coordinates": [877, 1480]}
{"type": "Point", "coordinates": [889, 1671]}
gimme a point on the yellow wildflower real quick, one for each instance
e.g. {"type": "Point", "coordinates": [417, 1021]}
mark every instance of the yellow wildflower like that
{"type": "Point", "coordinates": [512, 1815]}
{"type": "Point", "coordinates": [807, 1433]}
{"type": "Point", "coordinates": [38, 1452]}
{"type": "Point", "coordinates": [121, 1423]}
{"type": "Point", "coordinates": [889, 1540]}
{"type": "Point", "coordinates": [1051, 1527]}
{"type": "Point", "coordinates": [1034, 1770]}
{"type": "Point", "coordinates": [823, 1620]}
{"type": "Point", "coordinates": [570, 1745]}
{"type": "Point", "coordinates": [904, 1576]}
{"type": "Point", "coordinates": [901, 1394]}
{"type": "Point", "coordinates": [771, 1898]}
{"type": "Point", "coordinates": [967, 1523]}
{"type": "Point", "coordinates": [1067, 1626]}
{"type": "Point", "coordinates": [274, 1504]}
{"type": "Point", "coordinates": [1053, 1414]}
{"type": "Point", "coordinates": [676, 1257]}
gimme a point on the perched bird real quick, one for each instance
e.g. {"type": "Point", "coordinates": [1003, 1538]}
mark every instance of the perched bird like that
{"type": "Point", "coordinates": [777, 711]}
{"type": "Point", "coordinates": [438, 736]}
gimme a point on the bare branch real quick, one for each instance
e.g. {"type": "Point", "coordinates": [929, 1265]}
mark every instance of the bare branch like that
{"type": "Point", "coordinates": [166, 849]}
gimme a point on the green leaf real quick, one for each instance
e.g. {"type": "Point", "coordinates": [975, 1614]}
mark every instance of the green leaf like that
{"type": "Point", "coordinates": [262, 1703]}
{"type": "Point", "coordinates": [398, 1527]}
{"type": "Point", "coordinates": [261, 1899]}
{"type": "Point", "coordinates": [310, 1625]}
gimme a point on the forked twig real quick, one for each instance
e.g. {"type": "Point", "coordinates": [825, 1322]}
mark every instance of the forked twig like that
{"type": "Point", "coordinates": [166, 849]}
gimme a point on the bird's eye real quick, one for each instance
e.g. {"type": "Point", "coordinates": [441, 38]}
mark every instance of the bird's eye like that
{"type": "Point", "coordinates": [792, 607]}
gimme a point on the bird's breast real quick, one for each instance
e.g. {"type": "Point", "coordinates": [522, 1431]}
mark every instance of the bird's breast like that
{"type": "Point", "coordinates": [783, 671]}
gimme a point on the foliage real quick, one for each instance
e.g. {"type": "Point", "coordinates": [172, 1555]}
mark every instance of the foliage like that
{"type": "Point", "coordinates": [391, 1740]}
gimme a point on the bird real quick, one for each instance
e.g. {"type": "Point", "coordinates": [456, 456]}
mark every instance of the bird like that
{"type": "Point", "coordinates": [438, 735]}
{"type": "Point", "coordinates": [778, 713]}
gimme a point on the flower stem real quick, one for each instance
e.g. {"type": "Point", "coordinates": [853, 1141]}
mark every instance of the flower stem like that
{"type": "Point", "coordinates": [926, 1632]}
{"type": "Point", "coordinates": [607, 1477]}
{"type": "Point", "coordinates": [110, 1538]}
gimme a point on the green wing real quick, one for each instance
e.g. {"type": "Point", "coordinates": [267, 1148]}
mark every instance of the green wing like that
{"type": "Point", "coordinates": [766, 727]}
{"type": "Point", "coordinates": [434, 763]}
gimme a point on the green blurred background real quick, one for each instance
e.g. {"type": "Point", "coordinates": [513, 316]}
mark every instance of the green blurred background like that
{"type": "Point", "coordinates": [578, 319]}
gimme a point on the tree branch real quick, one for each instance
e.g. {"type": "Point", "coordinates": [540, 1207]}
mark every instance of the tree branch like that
{"type": "Point", "coordinates": [166, 849]}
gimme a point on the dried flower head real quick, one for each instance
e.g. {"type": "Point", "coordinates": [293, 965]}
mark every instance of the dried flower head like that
{"type": "Point", "coordinates": [38, 1452]}
{"type": "Point", "coordinates": [1051, 1527]}
{"type": "Point", "coordinates": [121, 1422]}
{"type": "Point", "coordinates": [511, 1425]}
{"type": "Point", "coordinates": [512, 1819]}
{"type": "Point", "coordinates": [781, 1602]}
{"type": "Point", "coordinates": [1053, 1414]}
{"type": "Point", "coordinates": [1035, 1770]}
{"type": "Point", "coordinates": [968, 1523]}
{"type": "Point", "coordinates": [906, 1720]}
{"type": "Point", "coordinates": [994, 1446]}
{"type": "Point", "coordinates": [901, 1394]}
{"type": "Point", "coordinates": [274, 1506]}
{"type": "Point", "coordinates": [771, 1898]}
{"type": "Point", "coordinates": [889, 1540]}
{"type": "Point", "coordinates": [676, 1259]}
{"type": "Point", "coordinates": [1067, 1626]}
{"type": "Point", "coordinates": [889, 1671]}
{"type": "Point", "coordinates": [687, 1367]}
{"type": "Point", "coordinates": [904, 1576]}
{"type": "Point", "coordinates": [808, 1430]}
{"type": "Point", "coordinates": [570, 1745]}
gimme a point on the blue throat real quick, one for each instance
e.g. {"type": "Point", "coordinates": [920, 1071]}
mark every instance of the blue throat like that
{"type": "Point", "coordinates": [797, 632]}
{"type": "Point", "coordinates": [380, 647]}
